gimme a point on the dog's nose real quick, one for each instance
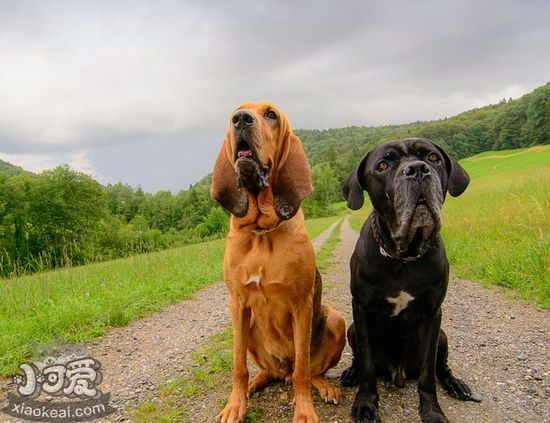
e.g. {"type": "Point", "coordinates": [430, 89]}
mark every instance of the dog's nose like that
{"type": "Point", "coordinates": [242, 119]}
{"type": "Point", "coordinates": [416, 169]}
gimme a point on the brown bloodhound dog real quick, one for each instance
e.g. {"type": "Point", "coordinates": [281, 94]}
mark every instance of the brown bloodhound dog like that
{"type": "Point", "coordinates": [261, 176]}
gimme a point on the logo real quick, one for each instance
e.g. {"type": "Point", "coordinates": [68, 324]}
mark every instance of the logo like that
{"type": "Point", "coordinates": [73, 376]}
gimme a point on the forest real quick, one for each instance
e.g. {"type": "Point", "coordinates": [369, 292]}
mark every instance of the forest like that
{"type": "Point", "coordinates": [61, 217]}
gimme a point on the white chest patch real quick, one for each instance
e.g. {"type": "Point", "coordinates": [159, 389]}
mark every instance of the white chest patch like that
{"type": "Point", "coordinates": [400, 302]}
{"type": "Point", "coordinates": [253, 279]}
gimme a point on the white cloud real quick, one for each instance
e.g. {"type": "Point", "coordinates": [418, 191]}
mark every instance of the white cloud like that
{"type": "Point", "coordinates": [91, 81]}
{"type": "Point", "coordinates": [37, 163]}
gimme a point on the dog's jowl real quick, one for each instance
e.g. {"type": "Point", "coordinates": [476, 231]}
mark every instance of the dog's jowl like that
{"type": "Point", "coordinates": [399, 275]}
{"type": "Point", "coordinates": [261, 176]}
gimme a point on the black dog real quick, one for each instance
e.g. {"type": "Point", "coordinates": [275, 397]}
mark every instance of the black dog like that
{"type": "Point", "coordinates": [399, 275]}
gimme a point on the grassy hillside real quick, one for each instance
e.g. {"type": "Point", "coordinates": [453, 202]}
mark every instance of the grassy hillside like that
{"type": "Point", "coordinates": [81, 303]}
{"type": "Point", "coordinates": [497, 231]}
{"type": "Point", "coordinates": [9, 169]}
{"type": "Point", "coordinates": [523, 122]}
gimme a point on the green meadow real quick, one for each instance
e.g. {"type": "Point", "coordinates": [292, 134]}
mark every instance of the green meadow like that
{"type": "Point", "coordinates": [497, 231]}
{"type": "Point", "coordinates": [81, 303]}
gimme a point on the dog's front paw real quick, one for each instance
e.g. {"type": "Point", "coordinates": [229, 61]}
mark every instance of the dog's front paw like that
{"type": "Point", "coordinates": [458, 389]}
{"type": "Point", "coordinates": [430, 411]}
{"type": "Point", "coordinates": [349, 377]}
{"type": "Point", "coordinates": [364, 411]}
{"type": "Point", "coordinates": [329, 393]}
{"type": "Point", "coordinates": [433, 417]}
{"type": "Point", "coordinates": [305, 413]}
{"type": "Point", "coordinates": [234, 411]}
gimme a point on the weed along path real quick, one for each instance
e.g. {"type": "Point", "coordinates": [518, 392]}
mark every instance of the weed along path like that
{"type": "Point", "coordinates": [499, 346]}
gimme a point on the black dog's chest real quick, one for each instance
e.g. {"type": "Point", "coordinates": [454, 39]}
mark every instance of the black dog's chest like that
{"type": "Point", "coordinates": [400, 293]}
{"type": "Point", "coordinates": [402, 305]}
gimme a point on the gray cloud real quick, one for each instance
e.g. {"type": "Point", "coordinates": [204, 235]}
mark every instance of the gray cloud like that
{"type": "Point", "coordinates": [141, 91]}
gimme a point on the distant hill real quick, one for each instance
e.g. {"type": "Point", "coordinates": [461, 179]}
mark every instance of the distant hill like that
{"type": "Point", "coordinates": [9, 169]}
{"type": "Point", "coordinates": [508, 125]}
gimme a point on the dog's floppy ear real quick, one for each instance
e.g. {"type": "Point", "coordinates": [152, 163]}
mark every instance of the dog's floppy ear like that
{"type": "Point", "coordinates": [353, 188]}
{"type": "Point", "coordinates": [292, 182]}
{"type": "Point", "coordinates": [224, 187]}
{"type": "Point", "coordinates": [458, 178]}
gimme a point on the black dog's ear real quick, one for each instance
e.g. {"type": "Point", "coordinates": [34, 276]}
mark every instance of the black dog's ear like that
{"type": "Point", "coordinates": [353, 191]}
{"type": "Point", "coordinates": [353, 188]}
{"type": "Point", "coordinates": [458, 178]}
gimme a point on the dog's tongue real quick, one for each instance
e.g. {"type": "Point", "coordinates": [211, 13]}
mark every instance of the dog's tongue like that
{"type": "Point", "coordinates": [245, 153]}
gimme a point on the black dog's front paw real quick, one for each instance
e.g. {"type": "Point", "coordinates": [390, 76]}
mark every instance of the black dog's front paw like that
{"type": "Point", "coordinates": [364, 411]}
{"type": "Point", "coordinates": [349, 377]}
{"type": "Point", "coordinates": [433, 417]}
{"type": "Point", "coordinates": [458, 389]}
{"type": "Point", "coordinates": [430, 411]}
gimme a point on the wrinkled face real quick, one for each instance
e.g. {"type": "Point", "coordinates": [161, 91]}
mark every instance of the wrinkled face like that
{"type": "Point", "coordinates": [255, 131]}
{"type": "Point", "coordinates": [406, 181]}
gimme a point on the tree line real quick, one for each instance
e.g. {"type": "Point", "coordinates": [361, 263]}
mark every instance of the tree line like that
{"type": "Point", "coordinates": [61, 217]}
{"type": "Point", "coordinates": [510, 124]}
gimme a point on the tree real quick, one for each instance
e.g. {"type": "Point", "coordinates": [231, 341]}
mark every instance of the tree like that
{"type": "Point", "coordinates": [216, 222]}
{"type": "Point", "coordinates": [325, 192]}
{"type": "Point", "coordinates": [65, 208]}
{"type": "Point", "coordinates": [123, 201]}
{"type": "Point", "coordinates": [537, 127]}
{"type": "Point", "coordinates": [510, 135]}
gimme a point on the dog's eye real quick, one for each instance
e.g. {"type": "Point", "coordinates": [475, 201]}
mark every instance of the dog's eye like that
{"type": "Point", "coordinates": [433, 158]}
{"type": "Point", "coordinates": [271, 115]}
{"type": "Point", "coordinates": [382, 166]}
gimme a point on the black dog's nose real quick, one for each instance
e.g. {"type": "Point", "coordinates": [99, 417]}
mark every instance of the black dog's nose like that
{"type": "Point", "coordinates": [242, 119]}
{"type": "Point", "coordinates": [416, 169]}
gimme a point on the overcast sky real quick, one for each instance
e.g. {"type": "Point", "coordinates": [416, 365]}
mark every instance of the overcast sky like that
{"type": "Point", "coordinates": [140, 92]}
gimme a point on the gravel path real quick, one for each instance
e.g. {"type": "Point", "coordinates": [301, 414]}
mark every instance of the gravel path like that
{"type": "Point", "coordinates": [499, 346]}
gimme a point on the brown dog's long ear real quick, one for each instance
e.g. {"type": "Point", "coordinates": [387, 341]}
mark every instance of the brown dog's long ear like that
{"type": "Point", "coordinates": [458, 178]}
{"type": "Point", "coordinates": [293, 180]}
{"type": "Point", "coordinates": [353, 187]}
{"type": "Point", "coordinates": [224, 187]}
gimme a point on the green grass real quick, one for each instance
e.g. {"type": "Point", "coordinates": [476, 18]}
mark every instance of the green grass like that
{"type": "Point", "coordinates": [340, 207]}
{"type": "Point", "coordinates": [357, 218]}
{"type": "Point", "coordinates": [497, 231]}
{"type": "Point", "coordinates": [324, 255]}
{"type": "Point", "coordinates": [315, 227]}
{"type": "Point", "coordinates": [81, 303]}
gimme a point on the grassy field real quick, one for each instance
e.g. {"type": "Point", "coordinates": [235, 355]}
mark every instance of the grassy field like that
{"type": "Point", "coordinates": [81, 303]}
{"type": "Point", "coordinates": [497, 231]}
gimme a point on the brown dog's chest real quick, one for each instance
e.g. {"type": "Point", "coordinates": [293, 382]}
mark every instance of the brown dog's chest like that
{"type": "Point", "coordinates": [264, 278]}
{"type": "Point", "coordinates": [270, 278]}
{"type": "Point", "coordinates": [270, 273]}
